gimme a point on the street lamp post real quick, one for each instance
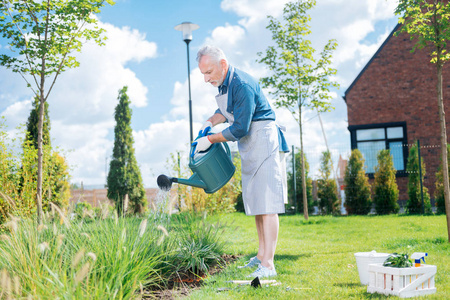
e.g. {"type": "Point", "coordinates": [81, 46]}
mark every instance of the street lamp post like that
{"type": "Point", "coordinates": [187, 28]}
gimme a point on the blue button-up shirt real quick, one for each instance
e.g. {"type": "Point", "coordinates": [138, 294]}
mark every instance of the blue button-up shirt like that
{"type": "Point", "coordinates": [247, 103]}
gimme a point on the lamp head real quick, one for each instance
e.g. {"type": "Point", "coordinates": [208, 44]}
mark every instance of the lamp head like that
{"type": "Point", "coordinates": [187, 28]}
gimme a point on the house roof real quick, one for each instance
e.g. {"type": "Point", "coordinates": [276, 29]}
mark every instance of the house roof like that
{"type": "Point", "coordinates": [370, 61]}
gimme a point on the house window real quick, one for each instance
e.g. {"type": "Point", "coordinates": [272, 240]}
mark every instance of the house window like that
{"type": "Point", "coordinates": [372, 138]}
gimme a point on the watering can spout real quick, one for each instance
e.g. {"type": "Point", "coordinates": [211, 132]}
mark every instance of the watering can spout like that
{"type": "Point", "coordinates": [165, 182]}
{"type": "Point", "coordinates": [194, 180]}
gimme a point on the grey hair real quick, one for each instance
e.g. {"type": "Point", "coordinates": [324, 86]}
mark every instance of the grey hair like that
{"type": "Point", "coordinates": [212, 51]}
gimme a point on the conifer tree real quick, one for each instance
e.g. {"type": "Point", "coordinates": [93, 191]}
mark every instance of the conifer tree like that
{"type": "Point", "coordinates": [32, 125]}
{"type": "Point", "coordinates": [385, 186]}
{"type": "Point", "coordinates": [327, 189]}
{"type": "Point", "coordinates": [414, 203]}
{"type": "Point", "coordinates": [56, 186]}
{"type": "Point", "coordinates": [357, 188]}
{"type": "Point", "coordinates": [124, 177]}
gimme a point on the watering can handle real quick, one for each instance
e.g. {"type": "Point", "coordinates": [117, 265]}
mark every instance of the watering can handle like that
{"type": "Point", "coordinates": [191, 153]}
{"type": "Point", "coordinates": [227, 150]}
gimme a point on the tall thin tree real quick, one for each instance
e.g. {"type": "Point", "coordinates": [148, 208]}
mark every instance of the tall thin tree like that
{"type": "Point", "coordinates": [299, 79]}
{"type": "Point", "coordinates": [124, 177]}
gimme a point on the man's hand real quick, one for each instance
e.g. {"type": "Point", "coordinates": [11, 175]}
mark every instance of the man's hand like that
{"type": "Point", "coordinates": [202, 144]}
{"type": "Point", "coordinates": [205, 128]}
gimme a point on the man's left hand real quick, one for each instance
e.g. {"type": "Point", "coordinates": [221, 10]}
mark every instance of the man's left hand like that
{"type": "Point", "coordinates": [202, 144]}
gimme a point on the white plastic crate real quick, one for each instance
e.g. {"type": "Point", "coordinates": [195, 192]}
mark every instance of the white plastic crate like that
{"type": "Point", "coordinates": [402, 282]}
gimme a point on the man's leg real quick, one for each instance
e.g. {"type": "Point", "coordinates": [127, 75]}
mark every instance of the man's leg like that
{"type": "Point", "coordinates": [260, 230]}
{"type": "Point", "coordinates": [270, 226]}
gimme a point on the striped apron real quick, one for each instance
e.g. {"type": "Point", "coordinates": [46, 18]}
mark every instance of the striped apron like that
{"type": "Point", "coordinates": [264, 188]}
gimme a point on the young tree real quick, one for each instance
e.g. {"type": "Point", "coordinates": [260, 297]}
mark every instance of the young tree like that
{"type": "Point", "coordinates": [41, 36]}
{"type": "Point", "coordinates": [385, 186]}
{"type": "Point", "coordinates": [298, 201]}
{"type": "Point", "coordinates": [299, 79]}
{"type": "Point", "coordinates": [429, 22]}
{"type": "Point", "coordinates": [357, 188]}
{"type": "Point", "coordinates": [414, 203]}
{"type": "Point", "coordinates": [124, 177]}
{"type": "Point", "coordinates": [327, 190]}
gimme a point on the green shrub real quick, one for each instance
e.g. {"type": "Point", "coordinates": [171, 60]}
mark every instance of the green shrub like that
{"type": "Point", "coordinates": [239, 205]}
{"type": "Point", "coordinates": [439, 191]}
{"type": "Point", "coordinates": [385, 185]}
{"type": "Point", "coordinates": [414, 203]}
{"type": "Point", "coordinates": [327, 189]}
{"type": "Point", "coordinates": [357, 188]}
{"type": "Point", "coordinates": [18, 176]}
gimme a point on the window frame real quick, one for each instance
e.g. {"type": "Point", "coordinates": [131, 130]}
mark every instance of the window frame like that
{"type": "Point", "coordinates": [354, 142]}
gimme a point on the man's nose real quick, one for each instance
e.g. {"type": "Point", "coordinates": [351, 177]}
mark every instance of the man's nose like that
{"type": "Point", "coordinates": [207, 78]}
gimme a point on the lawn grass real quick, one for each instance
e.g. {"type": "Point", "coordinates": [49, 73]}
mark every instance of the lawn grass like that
{"type": "Point", "coordinates": [315, 258]}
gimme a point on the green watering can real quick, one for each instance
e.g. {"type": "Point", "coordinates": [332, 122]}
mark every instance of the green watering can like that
{"type": "Point", "coordinates": [211, 169]}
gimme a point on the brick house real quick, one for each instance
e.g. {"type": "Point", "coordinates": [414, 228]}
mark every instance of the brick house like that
{"type": "Point", "coordinates": [392, 103]}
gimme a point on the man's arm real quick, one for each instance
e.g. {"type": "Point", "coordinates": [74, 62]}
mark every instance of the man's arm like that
{"type": "Point", "coordinates": [217, 137]}
{"type": "Point", "coordinates": [217, 119]}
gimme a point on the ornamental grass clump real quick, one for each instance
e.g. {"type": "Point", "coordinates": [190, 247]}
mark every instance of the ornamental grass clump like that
{"type": "Point", "coordinates": [200, 246]}
{"type": "Point", "coordinates": [102, 259]}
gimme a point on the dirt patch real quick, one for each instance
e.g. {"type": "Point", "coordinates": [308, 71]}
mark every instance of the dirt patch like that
{"type": "Point", "coordinates": [185, 283]}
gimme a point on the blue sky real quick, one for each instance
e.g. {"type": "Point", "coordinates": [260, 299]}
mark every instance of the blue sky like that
{"type": "Point", "coordinates": [144, 52]}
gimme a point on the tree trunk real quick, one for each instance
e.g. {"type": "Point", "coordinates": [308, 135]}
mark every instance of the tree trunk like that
{"type": "Point", "coordinates": [40, 213]}
{"type": "Point", "coordinates": [443, 145]}
{"type": "Point", "coordinates": [40, 160]}
{"type": "Point", "coordinates": [302, 155]}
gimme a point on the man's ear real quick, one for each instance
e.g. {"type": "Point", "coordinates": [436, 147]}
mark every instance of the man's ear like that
{"type": "Point", "coordinates": [223, 64]}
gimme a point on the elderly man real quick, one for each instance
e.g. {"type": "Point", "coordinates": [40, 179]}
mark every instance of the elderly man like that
{"type": "Point", "coordinates": [261, 145]}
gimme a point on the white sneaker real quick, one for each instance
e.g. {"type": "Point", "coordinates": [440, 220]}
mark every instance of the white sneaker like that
{"type": "Point", "coordinates": [254, 261]}
{"type": "Point", "coordinates": [263, 272]}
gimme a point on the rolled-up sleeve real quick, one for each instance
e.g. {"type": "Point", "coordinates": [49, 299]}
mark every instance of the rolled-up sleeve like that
{"type": "Point", "coordinates": [243, 109]}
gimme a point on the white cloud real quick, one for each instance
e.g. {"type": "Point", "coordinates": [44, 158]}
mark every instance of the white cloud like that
{"type": "Point", "coordinates": [94, 87]}
{"type": "Point", "coordinates": [17, 112]}
{"type": "Point", "coordinates": [203, 99]}
{"type": "Point", "coordinates": [95, 84]}
{"type": "Point", "coordinates": [154, 145]}
{"type": "Point", "coordinates": [254, 11]}
{"type": "Point", "coordinates": [87, 149]}
{"type": "Point", "coordinates": [227, 36]}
